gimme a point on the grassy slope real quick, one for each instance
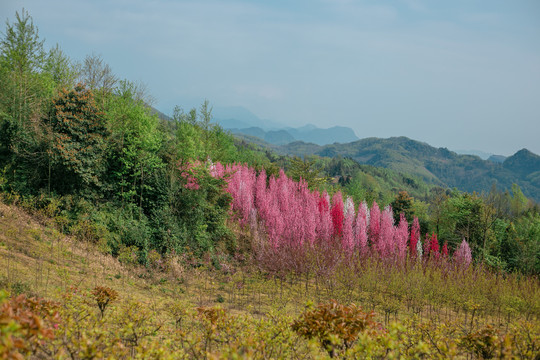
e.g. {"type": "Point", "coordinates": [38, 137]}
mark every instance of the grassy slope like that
{"type": "Point", "coordinates": [35, 258]}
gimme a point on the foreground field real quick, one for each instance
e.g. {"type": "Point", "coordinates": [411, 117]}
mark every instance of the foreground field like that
{"type": "Point", "coordinates": [223, 307]}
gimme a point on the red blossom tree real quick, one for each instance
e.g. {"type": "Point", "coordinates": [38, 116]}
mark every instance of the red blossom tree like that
{"type": "Point", "coordinates": [337, 213]}
{"type": "Point", "coordinates": [434, 246]}
{"type": "Point", "coordinates": [444, 250]}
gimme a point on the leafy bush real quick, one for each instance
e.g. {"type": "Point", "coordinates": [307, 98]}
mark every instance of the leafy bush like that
{"type": "Point", "coordinates": [336, 326]}
{"type": "Point", "coordinates": [25, 326]}
{"type": "Point", "coordinates": [104, 296]}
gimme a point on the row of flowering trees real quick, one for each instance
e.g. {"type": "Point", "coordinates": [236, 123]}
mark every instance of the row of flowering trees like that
{"type": "Point", "coordinates": [287, 215]}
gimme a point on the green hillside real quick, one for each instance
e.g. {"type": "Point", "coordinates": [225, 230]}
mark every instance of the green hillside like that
{"type": "Point", "coordinates": [438, 166]}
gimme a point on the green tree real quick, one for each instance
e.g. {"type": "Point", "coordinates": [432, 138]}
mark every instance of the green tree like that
{"type": "Point", "coordinates": [403, 203]}
{"type": "Point", "coordinates": [134, 144]}
{"type": "Point", "coordinates": [77, 146]}
{"type": "Point", "coordinates": [60, 70]}
{"type": "Point", "coordinates": [518, 202]}
{"type": "Point", "coordinates": [460, 218]}
{"type": "Point", "coordinates": [188, 137]}
{"type": "Point", "coordinates": [308, 170]}
{"type": "Point", "coordinates": [24, 91]}
{"type": "Point", "coordinates": [21, 58]}
{"type": "Point", "coordinates": [438, 198]}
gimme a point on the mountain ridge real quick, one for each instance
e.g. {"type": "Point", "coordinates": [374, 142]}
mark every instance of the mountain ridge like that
{"type": "Point", "coordinates": [436, 165]}
{"type": "Point", "coordinates": [239, 120]}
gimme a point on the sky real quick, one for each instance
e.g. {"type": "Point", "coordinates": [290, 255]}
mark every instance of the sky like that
{"type": "Point", "coordinates": [461, 74]}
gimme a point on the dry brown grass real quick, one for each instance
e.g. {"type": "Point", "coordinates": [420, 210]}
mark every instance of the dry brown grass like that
{"type": "Point", "coordinates": [36, 258]}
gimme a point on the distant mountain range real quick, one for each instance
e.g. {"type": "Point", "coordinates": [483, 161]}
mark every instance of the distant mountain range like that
{"type": "Point", "coordinates": [308, 133]}
{"type": "Point", "coordinates": [436, 165]}
{"type": "Point", "coordinates": [241, 121]}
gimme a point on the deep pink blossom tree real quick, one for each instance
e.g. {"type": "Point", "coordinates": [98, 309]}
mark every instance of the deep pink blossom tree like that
{"type": "Point", "coordinates": [374, 224]}
{"type": "Point", "coordinates": [434, 246]}
{"type": "Point", "coordinates": [401, 236]}
{"type": "Point", "coordinates": [386, 245]}
{"type": "Point", "coordinates": [288, 217]}
{"type": "Point", "coordinates": [444, 251]}
{"type": "Point", "coordinates": [361, 228]}
{"type": "Point", "coordinates": [337, 213]}
{"type": "Point", "coordinates": [309, 213]}
{"type": "Point", "coordinates": [325, 226]}
{"type": "Point", "coordinates": [262, 199]}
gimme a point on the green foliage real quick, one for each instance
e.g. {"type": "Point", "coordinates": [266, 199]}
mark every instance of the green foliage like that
{"type": "Point", "coordinates": [77, 141]}
{"type": "Point", "coordinates": [197, 138]}
{"type": "Point", "coordinates": [60, 70]}
{"type": "Point", "coordinates": [133, 145]}
{"type": "Point", "coordinates": [201, 212]}
{"type": "Point", "coordinates": [29, 78]}
{"type": "Point", "coordinates": [127, 254]}
{"type": "Point", "coordinates": [125, 227]}
{"type": "Point", "coordinates": [520, 244]}
{"type": "Point", "coordinates": [307, 170]}
{"type": "Point", "coordinates": [403, 204]}
{"type": "Point", "coordinates": [461, 220]}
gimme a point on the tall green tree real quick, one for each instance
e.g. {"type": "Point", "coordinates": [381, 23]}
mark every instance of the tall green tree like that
{"type": "Point", "coordinates": [77, 148]}
{"type": "Point", "coordinates": [21, 58]}
{"type": "Point", "coordinates": [461, 219]}
{"type": "Point", "coordinates": [24, 92]}
{"type": "Point", "coordinates": [134, 144]}
{"type": "Point", "coordinates": [308, 170]}
{"type": "Point", "coordinates": [60, 70]}
{"type": "Point", "coordinates": [403, 203]}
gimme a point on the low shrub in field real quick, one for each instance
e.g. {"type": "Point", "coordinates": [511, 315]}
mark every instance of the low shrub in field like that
{"type": "Point", "coordinates": [489, 343]}
{"type": "Point", "coordinates": [335, 326]}
{"type": "Point", "coordinates": [26, 324]}
{"type": "Point", "coordinates": [104, 296]}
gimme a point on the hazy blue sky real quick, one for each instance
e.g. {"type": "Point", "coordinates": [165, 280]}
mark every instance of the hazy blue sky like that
{"type": "Point", "coordinates": [457, 74]}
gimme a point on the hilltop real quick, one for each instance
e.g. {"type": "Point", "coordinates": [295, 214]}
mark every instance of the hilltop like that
{"type": "Point", "coordinates": [435, 165]}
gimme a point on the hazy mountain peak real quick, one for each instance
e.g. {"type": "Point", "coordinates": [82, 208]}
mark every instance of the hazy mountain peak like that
{"type": "Point", "coordinates": [230, 117]}
{"type": "Point", "coordinates": [307, 127]}
{"type": "Point", "coordinates": [523, 162]}
{"type": "Point", "coordinates": [241, 121]}
{"type": "Point", "coordinates": [482, 154]}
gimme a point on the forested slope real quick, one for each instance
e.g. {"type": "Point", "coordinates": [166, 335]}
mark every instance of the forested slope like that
{"type": "Point", "coordinates": [435, 165]}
